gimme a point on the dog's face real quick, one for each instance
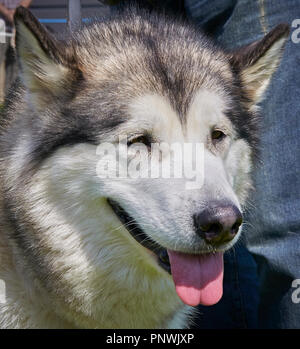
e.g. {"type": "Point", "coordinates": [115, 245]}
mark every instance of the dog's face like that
{"type": "Point", "coordinates": [148, 83]}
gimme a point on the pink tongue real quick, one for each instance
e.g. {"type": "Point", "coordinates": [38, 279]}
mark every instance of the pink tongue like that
{"type": "Point", "coordinates": [198, 278]}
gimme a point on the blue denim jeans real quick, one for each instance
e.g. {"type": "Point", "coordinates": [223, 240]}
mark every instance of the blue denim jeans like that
{"type": "Point", "coordinates": [259, 272]}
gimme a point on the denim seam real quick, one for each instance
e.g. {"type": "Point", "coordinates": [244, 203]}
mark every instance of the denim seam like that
{"type": "Point", "coordinates": [262, 17]}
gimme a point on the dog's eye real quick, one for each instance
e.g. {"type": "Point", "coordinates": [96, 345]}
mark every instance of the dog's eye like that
{"type": "Point", "coordinates": [217, 135]}
{"type": "Point", "coordinates": [144, 139]}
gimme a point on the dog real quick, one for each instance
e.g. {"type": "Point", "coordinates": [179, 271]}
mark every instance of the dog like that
{"type": "Point", "coordinates": [83, 249]}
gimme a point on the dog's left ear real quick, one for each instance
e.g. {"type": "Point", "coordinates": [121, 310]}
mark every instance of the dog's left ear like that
{"type": "Point", "coordinates": [257, 62]}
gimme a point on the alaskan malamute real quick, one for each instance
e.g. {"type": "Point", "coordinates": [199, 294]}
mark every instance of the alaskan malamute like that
{"type": "Point", "coordinates": [83, 247]}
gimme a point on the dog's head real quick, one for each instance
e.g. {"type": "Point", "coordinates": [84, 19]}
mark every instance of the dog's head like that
{"type": "Point", "coordinates": [120, 88]}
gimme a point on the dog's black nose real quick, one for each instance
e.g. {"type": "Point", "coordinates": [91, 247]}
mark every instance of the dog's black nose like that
{"type": "Point", "coordinates": [218, 224]}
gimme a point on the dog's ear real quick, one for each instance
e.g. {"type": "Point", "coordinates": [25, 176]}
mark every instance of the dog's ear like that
{"type": "Point", "coordinates": [257, 62]}
{"type": "Point", "coordinates": [45, 65]}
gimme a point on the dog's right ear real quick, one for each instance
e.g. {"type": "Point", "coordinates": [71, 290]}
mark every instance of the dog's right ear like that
{"type": "Point", "coordinates": [45, 67]}
{"type": "Point", "coordinates": [257, 62]}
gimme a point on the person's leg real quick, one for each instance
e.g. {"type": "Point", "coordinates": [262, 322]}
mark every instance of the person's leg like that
{"type": "Point", "coordinates": [273, 233]}
{"type": "Point", "coordinates": [275, 236]}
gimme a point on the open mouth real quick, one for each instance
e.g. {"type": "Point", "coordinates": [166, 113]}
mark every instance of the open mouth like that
{"type": "Point", "coordinates": [198, 278]}
{"type": "Point", "coordinates": [140, 236]}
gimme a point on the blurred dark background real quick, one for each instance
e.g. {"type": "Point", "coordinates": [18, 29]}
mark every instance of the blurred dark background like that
{"type": "Point", "coordinates": [52, 12]}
